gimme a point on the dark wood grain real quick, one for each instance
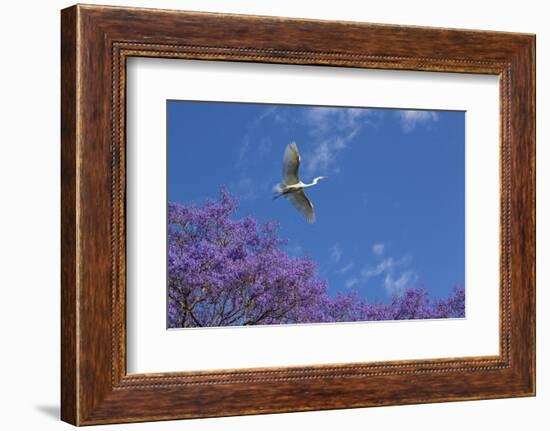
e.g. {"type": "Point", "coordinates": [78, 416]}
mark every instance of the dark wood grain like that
{"type": "Point", "coordinates": [69, 368]}
{"type": "Point", "coordinates": [96, 41]}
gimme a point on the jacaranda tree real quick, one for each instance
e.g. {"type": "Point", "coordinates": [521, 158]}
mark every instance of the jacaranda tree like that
{"type": "Point", "coordinates": [224, 272]}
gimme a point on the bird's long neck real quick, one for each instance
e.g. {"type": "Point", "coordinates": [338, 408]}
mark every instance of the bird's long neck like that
{"type": "Point", "coordinates": [315, 181]}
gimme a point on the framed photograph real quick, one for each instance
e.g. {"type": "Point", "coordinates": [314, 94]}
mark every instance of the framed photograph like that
{"type": "Point", "coordinates": [263, 214]}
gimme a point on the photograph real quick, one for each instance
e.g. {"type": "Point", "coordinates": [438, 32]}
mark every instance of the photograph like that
{"type": "Point", "coordinates": [298, 214]}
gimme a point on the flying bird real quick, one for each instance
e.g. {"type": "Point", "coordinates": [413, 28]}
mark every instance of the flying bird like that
{"type": "Point", "coordinates": [291, 187]}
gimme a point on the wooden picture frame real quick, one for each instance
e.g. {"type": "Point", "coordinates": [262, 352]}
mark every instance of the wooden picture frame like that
{"type": "Point", "coordinates": [95, 43]}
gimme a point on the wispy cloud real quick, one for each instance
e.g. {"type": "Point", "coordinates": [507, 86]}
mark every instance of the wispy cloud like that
{"type": "Point", "coordinates": [245, 152]}
{"type": "Point", "coordinates": [385, 266]}
{"type": "Point", "coordinates": [253, 148]}
{"type": "Point", "coordinates": [378, 249]}
{"type": "Point", "coordinates": [264, 147]}
{"type": "Point", "coordinates": [271, 110]}
{"type": "Point", "coordinates": [295, 249]}
{"type": "Point", "coordinates": [245, 188]}
{"type": "Point", "coordinates": [335, 253]}
{"type": "Point", "coordinates": [331, 130]}
{"type": "Point", "coordinates": [346, 268]}
{"type": "Point", "coordinates": [393, 274]}
{"type": "Point", "coordinates": [396, 284]}
{"type": "Point", "coordinates": [242, 157]}
{"type": "Point", "coordinates": [326, 119]}
{"type": "Point", "coordinates": [351, 282]}
{"type": "Point", "coordinates": [411, 119]}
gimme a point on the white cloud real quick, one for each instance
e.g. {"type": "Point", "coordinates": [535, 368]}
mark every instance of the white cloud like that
{"type": "Point", "coordinates": [384, 266]}
{"type": "Point", "coordinates": [347, 268]}
{"type": "Point", "coordinates": [264, 147]}
{"type": "Point", "coordinates": [331, 130]}
{"type": "Point", "coordinates": [266, 113]}
{"type": "Point", "coordinates": [395, 273]}
{"type": "Point", "coordinates": [245, 189]}
{"type": "Point", "coordinates": [253, 148]}
{"type": "Point", "coordinates": [351, 282]}
{"type": "Point", "coordinates": [327, 119]}
{"type": "Point", "coordinates": [335, 253]}
{"type": "Point", "coordinates": [378, 249]}
{"type": "Point", "coordinates": [410, 119]}
{"type": "Point", "coordinates": [245, 150]}
{"type": "Point", "coordinates": [396, 284]}
{"type": "Point", "coordinates": [295, 249]}
{"type": "Point", "coordinates": [242, 157]}
{"type": "Point", "coordinates": [321, 157]}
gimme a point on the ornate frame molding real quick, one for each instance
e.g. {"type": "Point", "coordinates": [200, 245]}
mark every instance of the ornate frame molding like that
{"type": "Point", "coordinates": [96, 41]}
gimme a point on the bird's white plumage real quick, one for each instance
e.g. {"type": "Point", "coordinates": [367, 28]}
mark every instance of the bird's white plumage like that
{"type": "Point", "coordinates": [302, 204]}
{"type": "Point", "coordinates": [291, 187]}
{"type": "Point", "coordinates": [291, 165]}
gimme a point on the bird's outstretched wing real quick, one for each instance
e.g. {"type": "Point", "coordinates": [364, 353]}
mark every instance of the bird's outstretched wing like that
{"type": "Point", "coordinates": [302, 204]}
{"type": "Point", "coordinates": [291, 164]}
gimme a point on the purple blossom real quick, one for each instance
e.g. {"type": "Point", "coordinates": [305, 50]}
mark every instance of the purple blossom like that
{"type": "Point", "coordinates": [224, 272]}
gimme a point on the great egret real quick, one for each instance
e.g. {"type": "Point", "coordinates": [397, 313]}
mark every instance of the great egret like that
{"type": "Point", "coordinates": [291, 187]}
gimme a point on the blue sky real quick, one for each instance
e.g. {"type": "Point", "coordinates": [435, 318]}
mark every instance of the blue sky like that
{"type": "Point", "coordinates": [391, 213]}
